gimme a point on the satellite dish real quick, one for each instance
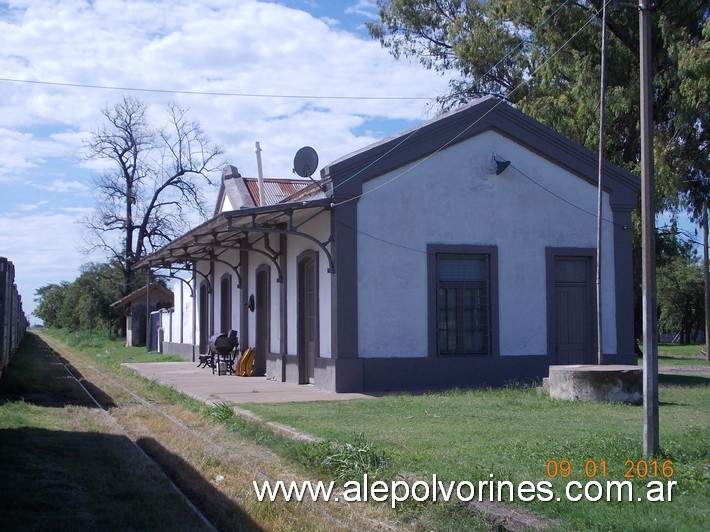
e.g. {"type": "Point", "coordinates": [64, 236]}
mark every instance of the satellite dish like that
{"type": "Point", "coordinates": [305, 163]}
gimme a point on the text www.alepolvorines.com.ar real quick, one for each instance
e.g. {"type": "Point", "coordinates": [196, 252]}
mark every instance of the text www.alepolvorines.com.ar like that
{"type": "Point", "coordinates": [398, 491]}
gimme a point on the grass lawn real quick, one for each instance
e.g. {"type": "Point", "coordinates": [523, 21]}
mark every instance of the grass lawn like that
{"type": "Point", "coordinates": [681, 355]}
{"type": "Point", "coordinates": [513, 433]}
{"type": "Point", "coordinates": [109, 352]}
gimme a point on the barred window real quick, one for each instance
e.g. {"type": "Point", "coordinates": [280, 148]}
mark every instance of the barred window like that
{"type": "Point", "coordinates": [463, 314]}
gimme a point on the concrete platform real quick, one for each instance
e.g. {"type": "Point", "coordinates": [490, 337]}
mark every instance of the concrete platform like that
{"type": "Point", "coordinates": [593, 383]}
{"type": "Point", "coordinates": [205, 386]}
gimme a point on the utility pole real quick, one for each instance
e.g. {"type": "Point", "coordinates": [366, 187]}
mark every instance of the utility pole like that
{"type": "Point", "coordinates": [706, 279]}
{"type": "Point", "coordinates": [648, 244]}
{"type": "Point", "coordinates": [602, 100]}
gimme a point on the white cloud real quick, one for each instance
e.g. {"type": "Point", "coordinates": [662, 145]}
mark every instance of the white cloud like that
{"type": "Point", "coordinates": [57, 185]}
{"type": "Point", "coordinates": [214, 46]}
{"type": "Point", "coordinates": [45, 248]}
{"type": "Point", "coordinates": [24, 151]}
{"type": "Point", "coordinates": [366, 8]}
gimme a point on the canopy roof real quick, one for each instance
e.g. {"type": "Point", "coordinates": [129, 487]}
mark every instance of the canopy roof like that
{"type": "Point", "coordinates": [232, 230]}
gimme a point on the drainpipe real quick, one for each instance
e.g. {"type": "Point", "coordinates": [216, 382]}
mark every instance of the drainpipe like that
{"type": "Point", "coordinates": [260, 175]}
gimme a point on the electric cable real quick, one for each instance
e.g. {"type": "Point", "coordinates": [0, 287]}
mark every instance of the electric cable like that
{"type": "Point", "coordinates": [461, 133]}
{"type": "Point", "coordinates": [213, 93]}
{"type": "Point", "coordinates": [480, 78]}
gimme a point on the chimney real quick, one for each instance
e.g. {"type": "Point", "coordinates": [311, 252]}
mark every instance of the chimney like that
{"type": "Point", "coordinates": [229, 172]}
{"type": "Point", "coordinates": [260, 175]}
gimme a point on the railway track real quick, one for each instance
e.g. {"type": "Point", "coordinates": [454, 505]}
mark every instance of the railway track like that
{"type": "Point", "coordinates": [185, 498]}
{"type": "Point", "coordinates": [210, 468]}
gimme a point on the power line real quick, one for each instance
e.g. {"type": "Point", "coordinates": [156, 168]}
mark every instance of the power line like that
{"type": "Point", "coordinates": [213, 93]}
{"type": "Point", "coordinates": [255, 95]}
{"type": "Point", "coordinates": [591, 213]}
{"type": "Point", "coordinates": [408, 248]}
{"type": "Point", "coordinates": [405, 139]}
{"type": "Point", "coordinates": [458, 135]}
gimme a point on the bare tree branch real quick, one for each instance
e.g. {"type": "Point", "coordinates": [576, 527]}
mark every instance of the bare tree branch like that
{"type": "Point", "coordinates": [154, 181]}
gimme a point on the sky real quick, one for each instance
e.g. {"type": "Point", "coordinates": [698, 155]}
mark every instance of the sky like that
{"type": "Point", "coordinates": [300, 73]}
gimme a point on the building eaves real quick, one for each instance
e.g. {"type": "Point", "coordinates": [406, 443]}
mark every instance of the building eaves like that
{"type": "Point", "coordinates": [488, 113]}
{"type": "Point", "coordinates": [141, 293]}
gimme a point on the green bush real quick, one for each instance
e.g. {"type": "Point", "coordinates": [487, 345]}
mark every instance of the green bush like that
{"type": "Point", "coordinates": [345, 461]}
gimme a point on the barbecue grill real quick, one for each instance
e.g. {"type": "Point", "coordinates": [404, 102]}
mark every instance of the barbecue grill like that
{"type": "Point", "coordinates": [223, 350]}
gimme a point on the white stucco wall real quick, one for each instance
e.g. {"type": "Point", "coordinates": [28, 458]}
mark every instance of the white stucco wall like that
{"type": "Point", "coordinates": [454, 197]}
{"type": "Point", "coordinates": [166, 324]}
{"type": "Point", "coordinates": [177, 325]}
{"type": "Point", "coordinates": [319, 227]}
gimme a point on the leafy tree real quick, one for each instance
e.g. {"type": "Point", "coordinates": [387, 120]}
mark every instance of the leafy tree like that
{"type": "Point", "coordinates": [88, 298]}
{"type": "Point", "coordinates": [681, 298]}
{"type": "Point", "coordinates": [83, 304]}
{"type": "Point", "coordinates": [544, 57]}
{"type": "Point", "coordinates": [694, 75]}
{"type": "Point", "coordinates": [50, 299]}
{"type": "Point", "coordinates": [152, 184]}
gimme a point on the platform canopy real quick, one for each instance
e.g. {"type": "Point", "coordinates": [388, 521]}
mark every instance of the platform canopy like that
{"type": "Point", "coordinates": [240, 230]}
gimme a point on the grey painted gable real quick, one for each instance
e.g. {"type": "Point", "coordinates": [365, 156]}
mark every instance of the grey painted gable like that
{"type": "Point", "coordinates": [489, 113]}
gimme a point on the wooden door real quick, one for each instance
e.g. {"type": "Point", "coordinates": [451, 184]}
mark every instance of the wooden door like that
{"type": "Point", "coordinates": [308, 348]}
{"type": "Point", "coordinates": [574, 311]}
{"type": "Point", "coordinates": [263, 320]}
{"type": "Point", "coordinates": [204, 319]}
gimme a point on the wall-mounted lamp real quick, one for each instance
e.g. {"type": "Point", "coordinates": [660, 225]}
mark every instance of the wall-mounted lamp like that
{"type": "Point", "coordinates": [501, 164]}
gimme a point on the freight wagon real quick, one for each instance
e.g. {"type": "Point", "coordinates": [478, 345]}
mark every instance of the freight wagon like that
{"type": "Point", "coordinates": [13, 322]}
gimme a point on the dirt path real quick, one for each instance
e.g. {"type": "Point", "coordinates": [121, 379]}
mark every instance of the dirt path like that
{"type": "Point", "coordinates": [691, 371]}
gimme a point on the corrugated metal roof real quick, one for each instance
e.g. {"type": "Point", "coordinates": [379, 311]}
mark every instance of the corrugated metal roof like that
{"type": "Point", "coordinates": [276, 190]}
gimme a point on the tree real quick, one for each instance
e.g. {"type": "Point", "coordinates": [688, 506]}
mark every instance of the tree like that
{"type": "Point", "coordinates": [152, 184]}
{"type": "Point", "coordinates": [50, 300]}
{"type": "Point", "coordinates": [85, 303]}
{"type": "Point", "coordinates": [543, 56]}
{"type": "Point", "coordinates": [681, 299]}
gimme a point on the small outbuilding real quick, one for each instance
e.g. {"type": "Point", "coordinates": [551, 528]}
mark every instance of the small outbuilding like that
{"type": "Point", "coordinates": [134, 305]}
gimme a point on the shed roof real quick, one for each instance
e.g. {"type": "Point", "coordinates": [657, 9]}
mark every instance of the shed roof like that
{"type": "Point", "coordinates": [243, 192]}
{"type": "Point", "coordinates": [157, 293]}
{"type": "Point", "coordinates": [276, 190]}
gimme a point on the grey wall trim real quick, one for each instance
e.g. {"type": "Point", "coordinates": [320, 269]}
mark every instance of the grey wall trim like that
{"type": "Point", "coordinates": [204, 311]}
{"type": "Point", "coordinates": [339, 374]}
{"type": "Point", "coordinates": [194, 311]}
{"type": "Point", "coordinates": [283, 296]}
{"type": "Point", "coordinates": [228, 278]}
{"type": "Point", "coordinates": [244, 296]}
{"type": "Point", "coordinates": [457, 126]}
{"type": "Point", "coordinates": [492, 252]}
{"type": "Point", "coordinates": [260, 359]}
{"type": "Point", "coordinates": [344, 293]}
{"type": "Point", "coordinates": [291, 369]}
{"type": "Point", "coordinates": [550, 254]}
{"type": "Point", "coordinates": [312, 255]}
{"type": "Point", "coordinates": [624, 278]}
{"type": "Point", "coordinates": [433, 373]}
{"type": "Point", "coordinates": [275, 367]}
{"type": "Point", "coordinates": [212, 298]}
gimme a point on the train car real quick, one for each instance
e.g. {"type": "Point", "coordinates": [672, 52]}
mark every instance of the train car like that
{"type": "Point", "coordinates": [13, 322]}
